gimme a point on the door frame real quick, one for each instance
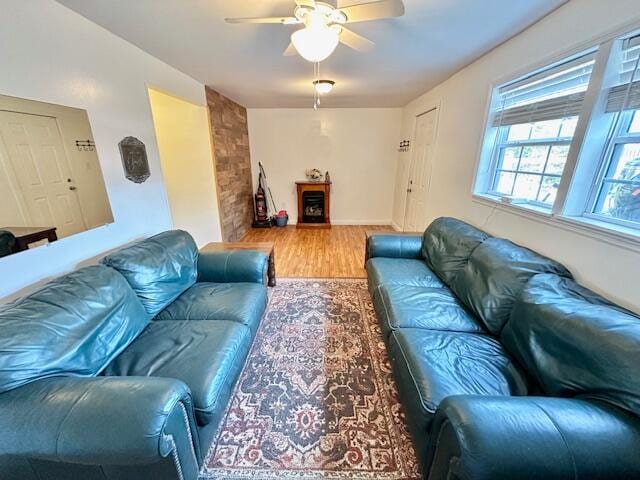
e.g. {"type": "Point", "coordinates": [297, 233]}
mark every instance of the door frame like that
{"type": "Point", "coordinates": [435, 106]}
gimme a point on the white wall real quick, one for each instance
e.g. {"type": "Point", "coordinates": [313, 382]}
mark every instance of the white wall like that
{"type": "Point", "coordinates": [604, 265]}
{"type": "Point", "coordinates": [357, 146]}
{"type": "Point", "coordinates": [184, 142]}
{"type": "Point", "coordinates": [52, 54]}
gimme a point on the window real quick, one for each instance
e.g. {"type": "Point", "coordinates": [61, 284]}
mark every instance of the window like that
{"type": "Point", "coordinates": [534, 121]}
{"type": "Point", "coordinates": [617, 190]}
{"type": "Point", "coordinates": [618, 193]}
{"type": "Point", "coordinates": [532, 133]}
{"type": "Point", "coordinates": [531, 160]}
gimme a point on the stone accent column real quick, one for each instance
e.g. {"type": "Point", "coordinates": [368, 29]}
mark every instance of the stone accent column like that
{"type": "Point", "coordinates": [232, 162]}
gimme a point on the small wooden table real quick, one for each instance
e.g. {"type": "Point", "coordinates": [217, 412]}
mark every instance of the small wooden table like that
{"type": "Point", "coordinates": [369, 233]}
{"type": "Point", "coordinates": [265, 247]}
{"type": "Point", "coordinates": [26, 235]}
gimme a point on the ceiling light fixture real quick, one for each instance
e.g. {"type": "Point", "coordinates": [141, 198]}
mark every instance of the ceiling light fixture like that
{"type": "Point", "coordinates": [324, 87]}
{"type": "Point", "coordinates": [316, 41]}
{"type": "Point", "coordinates": [316, 45]}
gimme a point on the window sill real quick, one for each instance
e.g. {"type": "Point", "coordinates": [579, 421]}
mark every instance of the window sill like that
{"type": "Point", "coordinates": [522, 207]}
{"type": "Point", "coordinates": [610, 233]}
{"type": "Point", "coordinates": [604, 228]}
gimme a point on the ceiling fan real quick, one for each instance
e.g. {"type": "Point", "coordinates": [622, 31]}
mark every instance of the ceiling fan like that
{"type": "Point", "coordinates": [324, 26]}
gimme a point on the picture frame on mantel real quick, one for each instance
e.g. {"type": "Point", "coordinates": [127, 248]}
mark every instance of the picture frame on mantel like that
{"type": "Point", "coordinates": [134, 159]}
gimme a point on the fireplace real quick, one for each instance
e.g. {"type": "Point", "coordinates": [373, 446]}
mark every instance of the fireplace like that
{"type": "Point", "coordinates": [314, 204]}
{"type": "Point", "coordinates": [313, 207]}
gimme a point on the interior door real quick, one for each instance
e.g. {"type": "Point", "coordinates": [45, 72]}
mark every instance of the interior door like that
{"type": "Point", "coordinates": [42, 170]}
{"type": "Point", "coordinates": [420, 172]}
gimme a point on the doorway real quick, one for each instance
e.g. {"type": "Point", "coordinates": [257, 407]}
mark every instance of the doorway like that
{"type": "Point", "coordinates": [183, 136]}
{"type": "Point", "coordinates": [419, 181]}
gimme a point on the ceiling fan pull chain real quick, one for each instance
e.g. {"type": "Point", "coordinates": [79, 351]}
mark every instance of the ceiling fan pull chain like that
{"type": "Point", "coordinates": [316, 95]}
{"type": "Point", "coordinates": [317, 80]}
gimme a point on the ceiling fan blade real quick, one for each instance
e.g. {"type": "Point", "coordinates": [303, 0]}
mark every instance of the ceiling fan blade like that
{"type": "Point", "coordinates": [290, 51]}
{"type": "Point", "coordinates": [374, 10]}
{"type": "Point", "coordinates": [282, 20]}
{"type": "Point", "coordinates": [306, 3]}
{"type": "Point", "coordinates": [355, 41]}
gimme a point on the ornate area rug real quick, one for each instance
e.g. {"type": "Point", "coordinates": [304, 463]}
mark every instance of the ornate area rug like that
{"type": "Point", "coordinates": [316, 399]}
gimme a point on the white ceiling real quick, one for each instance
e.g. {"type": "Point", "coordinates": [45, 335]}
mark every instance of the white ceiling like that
{"type": "Point", "coordinates": [414, 53]}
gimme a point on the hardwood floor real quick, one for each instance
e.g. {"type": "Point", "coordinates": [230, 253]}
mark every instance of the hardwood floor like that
{"type": "Point", "coordinates": [337, 252]}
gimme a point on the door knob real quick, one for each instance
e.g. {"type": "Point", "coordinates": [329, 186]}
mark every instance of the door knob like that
{"type": "Point", "coordinates": [72, 188]}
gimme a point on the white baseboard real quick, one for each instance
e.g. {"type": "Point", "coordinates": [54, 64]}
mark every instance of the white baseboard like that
{"type": "Point", "coordinates": [355, 222]}
{"type": "Point", "coordinates": [395, 226]}
{"type": "Point", "coordinates": [361, 222]}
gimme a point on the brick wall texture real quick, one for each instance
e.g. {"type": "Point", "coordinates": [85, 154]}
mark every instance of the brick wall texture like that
{"type": "Point", "coordinates": [230, 140]}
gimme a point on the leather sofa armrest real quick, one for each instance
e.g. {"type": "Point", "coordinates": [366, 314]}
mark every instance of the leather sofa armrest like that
{"type": "Point", "coordinates": [394, 246]}
{"type": "Point", "coordinates": [100, 421]}
{"type": "Point", "coordinates": [500, 438]}
{"type": "Point", "coordinates": [233, 266]}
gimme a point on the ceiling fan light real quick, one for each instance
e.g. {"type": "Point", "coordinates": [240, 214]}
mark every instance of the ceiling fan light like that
{"type": "Point", "coordinates": [316, 44]}
{"type": "Point", "coordinates": [324, 87]}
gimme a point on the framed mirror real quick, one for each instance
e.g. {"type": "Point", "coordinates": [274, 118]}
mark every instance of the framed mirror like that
{"type": "Point", "coordinates": [51, 183]}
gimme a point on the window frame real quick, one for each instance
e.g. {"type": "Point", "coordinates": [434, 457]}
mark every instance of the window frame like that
{"type": "Point", "coordinates": [570, 210]}
{"type": "Point", "coordinates": [619, 137]}
{"type": "Point", "coordinates": [482, 187]}
{"type": "Point", "coordinates": [502, 143]}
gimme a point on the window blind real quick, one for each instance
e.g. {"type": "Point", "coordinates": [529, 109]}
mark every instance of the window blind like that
{"type": "Point", "coordinates": [554, 93]}
{"type": "Point", "coordinates": [625, 95]}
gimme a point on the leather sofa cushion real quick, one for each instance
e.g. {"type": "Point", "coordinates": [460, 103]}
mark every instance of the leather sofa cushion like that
{"type": "Point", "coordinates": [574, 342]}
{"type": "Point", "coordinates": [391, 245]}
{"type": "Point", "coordinates": [206, 355]}
{"type": "Point", "coordinates": [159, 268]}
{"type": "Point", "coordinates": [431, 365]}
{"type": "Point", "coordinates": [244, 303]}
{"type": "Point", "coordinates": [402, 306]}
{"type": "Point", "coordinates": [73, 326]}
{"type": "Point", "coordinates": [233, 266]}
{"type": "Point", "coordinates": [495, 274]}
{"type": "Point", "coordinates": [447, 244]}
{"type": "Point", "coordinates": [400, 271]}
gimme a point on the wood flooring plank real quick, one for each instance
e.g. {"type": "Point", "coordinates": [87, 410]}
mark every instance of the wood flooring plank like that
{"type": "Point", "coordinates": [337, 252]}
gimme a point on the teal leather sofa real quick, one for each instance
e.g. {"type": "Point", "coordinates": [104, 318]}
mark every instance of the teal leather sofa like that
{"type": "Point", "coordinates": [507, 368]}
{"type": "Point", "coordinates": [123, 370]}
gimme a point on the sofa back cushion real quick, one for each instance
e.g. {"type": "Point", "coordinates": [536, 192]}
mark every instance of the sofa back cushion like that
{"type": "Point", "coordinates": [574, 342]}
{"type": "Point", "coordinates": [159, 268]}
{"type": "Point", "coordinates": [495, 274]}
{"type": "Point", "coordinates": [447, 244]}
{"type": "Point", "coordinates": [73, 326]}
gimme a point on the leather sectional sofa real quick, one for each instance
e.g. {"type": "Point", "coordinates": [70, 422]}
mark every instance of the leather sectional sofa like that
{"type": "Point", "coordinates": [507, 368]}
{"type": "Point", "coordinates": [123, 370]}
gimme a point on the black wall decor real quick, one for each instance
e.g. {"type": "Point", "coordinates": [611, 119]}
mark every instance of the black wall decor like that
{"type": "Point", "coordinates": [134, 159]}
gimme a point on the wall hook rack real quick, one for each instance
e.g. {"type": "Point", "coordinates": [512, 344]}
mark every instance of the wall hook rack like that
{"type": "Point", "coordinates": [405, 145]}
{"type": "Point", "coordinates": [85, 145]}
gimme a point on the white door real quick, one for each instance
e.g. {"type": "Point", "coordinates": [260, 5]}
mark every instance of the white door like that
{"type": "Point", "coordinates": [420, 172]}
{"type": "Point", "coordinates": [42, 171]}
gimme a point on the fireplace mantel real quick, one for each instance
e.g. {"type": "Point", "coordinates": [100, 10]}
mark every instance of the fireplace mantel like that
{"type": "Point", "coordinates": [309, 188]}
